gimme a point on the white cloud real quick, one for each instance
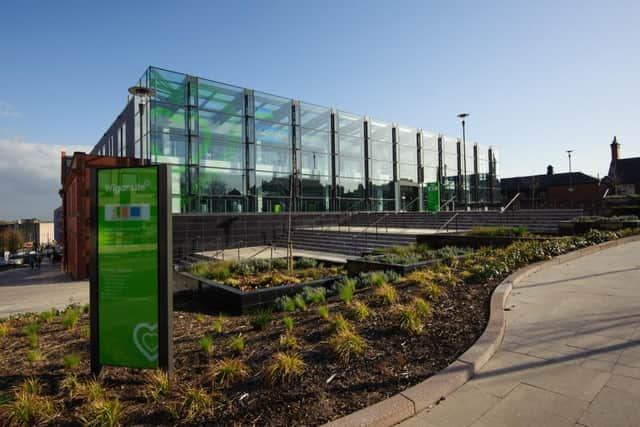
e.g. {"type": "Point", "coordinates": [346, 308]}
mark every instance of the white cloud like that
{"type": "Point", "coordinates": [30, 178]}
{"type": "Point", "coordinates": [7, 110]}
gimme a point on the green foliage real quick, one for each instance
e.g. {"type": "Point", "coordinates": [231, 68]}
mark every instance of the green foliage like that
{"type": "Point", "coordinates": [93, 390]}
{"type": "Point", "coordinates": [323, 311]}
{"type": "Point", "coordinates": [285, 367]}
{"type": "Point", "coordinates": [386, 293]}
{"type": "Point", "coordinates": [33, 340]}
{"type": "Point", "coordinates": [285, 303]}
{"type": "Point", "coordinates": [86, 308]}
{"type": "Point", "coordinates": [200, 318]}
{"type": "Point", "coordinates": [347, 345]}
{"type": "Point", "coordinates": [4, 329]}
{"type": "Point", "coordinates": [339, 324]}
{"type": "Point", "coordinates": [31, 386]}
{"type": "Point", "coordinates": [372, 279]}
{"type": "Point", "coordinates": [288, 342]}
{"type": "Point", "coordinates": [71, 360]}
{"type": "Point", "coordinates": [596, 236]}
{"type": "Point", "coordinates": [195, 402]}
{"type": "Point", "coordinates": [288, 323]}
{"type": "Point", "coordinates": [85, 332]}
{"type": "Point", "coordinates": [47, 316]}
{"type": "Point", "coordinates": [28, 409]}
{"type": "Point", "coordinates": [346, 289]}
{"type": "Point", "coordinates": [229, 371]}
{"type": "Point", "coordinates": [102, 413]}
{"type": "Point", "coordinates": [300, 302]}
{"type": "Point", "coordinates": [158, 385]}
{"type": "Point", "coordinates": [71, 386]}
{"type": "Point", "coordinates": [218, 324]}
{"type": "Point", "coordinates": [206, 344]}
{"type": "Point", "coordinates": [236, 344]}
{"type": "Point", "coordinates": [314, 295]}
{"type": "Point", "coordinates": [305, 263]}
{"type": "Point", "coordinates": [34, 356]}
{"type": "Point", "coordinates": [360, 311]}
{"type": "Point", "coordinates": [499, 231]}
{"type": "Point", "coordinates": [410, 321]}
{"type": "Point", "coordinates": [70, 318]}
{"type": "Point", "coordinates": [260, 319]}
{"type": "Point", "coordinates": [422, 307]}
{"type": "Point", "coordinates": [31, 329]}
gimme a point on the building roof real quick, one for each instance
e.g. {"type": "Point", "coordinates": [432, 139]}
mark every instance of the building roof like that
{"type": "Point", "coordinates": [546, 181]}
{"type": "Point", "coordinates": [625, 171]}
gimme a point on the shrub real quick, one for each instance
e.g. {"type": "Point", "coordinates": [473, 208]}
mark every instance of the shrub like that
{"type": "Point", "coordinates": [4, 330]}
{"type": "Point", "coordinates": [423, 308]}
{"type": "Point", "coordinates": [228, 371]}
{"type": "Point", "coordinates": [30, 386]}
{"type": "Point", "coordinates": [386, 293]}
{"type": "Point", "coordinates": [103, 413]}
{"type": "Point", "coordinates": [410, 321]}
{"type": "Point", "coordinates": [285, 303]}
{"type": "Point", "coordinates": [288, 323]}
{"type": "Point", "coordinates": [300, 302]}
{"type": "Point", "coordinates": [47, 316]}
{"type": "Point", "coordinates": [93, 390]}
{"type": "Point", "coordinates": [391, 276]}
{"type": "Point", "coordinates": [33, 340]}
{"type": "Point", "coordinates": [158, 385]}
{"type": "Point", "coordinates": [34, 356]}
{"type": "Point", "coordinates": [212, 270]}
{"type": "Point", "coordinates": [515, 231]}
{"type": "Point", "coordinates": [432, 291]}
{"type": "Point", "coordinates": [372, 279]}
{"type": "Point", "coordinates": [285, 367]}
{"type": "Point", "coordinates": [339, 324]}
{"type": "Point", "coordinates": [195, 401]}
{"type": "Point", "coordinates": [236, 344]}
{"type": "Point", "coordinates": [70, 318]}
{"type": "Point", "coordinates": [595, 237]}
{"type": "Point", "coordinates": [29, 409]}
{"type": "Point", "coordinates": [85, 332]}
{"type": "Point", "coordinates": [71, 386]}
{"type": "Point", "coordinates": [71, 360]}
{"type": "Point", "coordinates": [346, 290]}
{"type": "Point", "coordinates": [218, 324]}
{"type": "Point", "coordinates": [86, 308]}
{"type": "Point", "coordinates": [200, 318]}
{"type": "Point", "coordinates": [360, 311]}
{"type": "Point", "coordinates": [260, 319]}
{"type": "Point", "coordinates": [305, 263]}
{"type": "Point", "coordinates": [314, 295]}
{"type": "Point", "coordinates": [279, 263]}
{"type": "Point", "coordinates": [31, 329]}
{"type": "Point", "coordinates": [347, 345]}
{"type": "Point", "coordinates": [288, 342]}
{"type": "Point", "coordinates": [323, 311]}
{"type": "Point", "coordinates": [206, 344]}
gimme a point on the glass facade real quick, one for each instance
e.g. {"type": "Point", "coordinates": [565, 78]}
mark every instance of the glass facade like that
{"type": "Point", "coordinates": [233, 149]}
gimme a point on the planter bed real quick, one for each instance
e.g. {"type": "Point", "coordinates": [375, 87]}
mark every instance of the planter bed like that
{"type": "Point", "coordinates": [437, 241]}
{"type": "Point", "coordinates": [329, 386]}
{"type": "Point", "coordinates": [361, 265]}
{"type": "Point", "coordinates": [568, 228]}
{"type": "Point", "coordinates": [217, 296]}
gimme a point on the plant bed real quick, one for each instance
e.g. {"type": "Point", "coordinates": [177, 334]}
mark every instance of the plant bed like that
{"type": "Point", "coordinates": [249, 285]}
{"type": "Point", "coordinates": [583, 224]}
{"type": "Point", "coordinates": [462, 240]}
{"type": "Point", "coordinates": [361, 265]}
{"type": "Point", "coordinates": [229, 371]}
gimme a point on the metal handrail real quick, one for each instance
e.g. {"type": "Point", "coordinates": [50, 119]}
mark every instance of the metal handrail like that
{"type": "Point", "coordinates": [447, 202]}
{"type": "Point", "coordinates": [510, 202]}
{"type": "Point", "coordinates": [271, 246]}
{"type": "Point", "coordinates": [446, 224]}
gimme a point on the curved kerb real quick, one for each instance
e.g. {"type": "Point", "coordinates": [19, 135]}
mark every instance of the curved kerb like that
{"type": "Point", "coordinates": [425, 394]}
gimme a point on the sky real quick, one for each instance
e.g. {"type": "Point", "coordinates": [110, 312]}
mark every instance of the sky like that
{"type": "Point", "coordinates": [538, 78]}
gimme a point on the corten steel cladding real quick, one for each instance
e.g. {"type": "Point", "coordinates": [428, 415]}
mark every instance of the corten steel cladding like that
{"type": "Point", "coordinates": [131, 300]}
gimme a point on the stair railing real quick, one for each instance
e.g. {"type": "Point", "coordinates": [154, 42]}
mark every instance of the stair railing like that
{"type": "Point", "coordinates": [446, 224]}
{"type": "Point", "coordinates": [504, 208]}
{"type": "Point", "coordinates": [451, 200]}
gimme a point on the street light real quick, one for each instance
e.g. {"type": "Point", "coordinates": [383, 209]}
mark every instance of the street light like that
{"type": "Point", "coordinates": [142, 94]}
{"type": "Point", "coordinates": [462, 117]}
{"type": "Point", "coordinates": [570, 176]}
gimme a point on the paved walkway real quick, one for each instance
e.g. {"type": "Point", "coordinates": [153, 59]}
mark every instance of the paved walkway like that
{"type": "Point", "coordinates": [570, 355]}
{"type": "Point", "coordinates": [25, 290]}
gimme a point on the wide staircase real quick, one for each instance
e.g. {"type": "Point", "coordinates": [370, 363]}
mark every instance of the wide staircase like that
{"type": "Point", "coordinates": [364, 232]}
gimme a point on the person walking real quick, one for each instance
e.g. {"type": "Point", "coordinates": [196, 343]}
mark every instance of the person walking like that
{"type": "Point", "coordinates": [31, 261]}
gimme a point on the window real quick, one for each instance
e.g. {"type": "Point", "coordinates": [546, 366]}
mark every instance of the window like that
{"type": "Point", "coordinates": [273, 159]}
{"type": "Point", "coordinates": [315, 117]}
{"type": "Point", "coordinates": [350, 124]}
{"type": "Point", "coordinates": [272, 108]}
{"type": "Point", "coordinates": [314, 163]}
{"type": "Point", "coordinates": [170, 87]}
{"type": "Point", "coordinates": [351, 167]}
{"type": "Point", "coordinates": [273, 134]}
{"type": "Point", "coordinates": [219, 127]}
{"type": "Point", "coordinates": [351, 146]}
{"type": "Point", "coordinates": [168, 118]}
{"type": "Point", "coordinates": [222, 155]}
{"type": "Point", "coordinates": [220, 97]}
{"type": "Point", "coordinates": [313, 140]}
{"type": "Point", "coordinates": [220, 182]}
{"type": "Point", "coordinates": [167, 148]}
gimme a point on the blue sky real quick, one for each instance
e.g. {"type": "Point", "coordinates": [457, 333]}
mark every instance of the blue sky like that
{"type": "Point", "coordinates": [537, 77]}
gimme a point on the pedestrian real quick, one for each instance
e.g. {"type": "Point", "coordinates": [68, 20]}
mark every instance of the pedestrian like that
{"type": "Point", "coordinates": [31, 261]}
{"type": "Point", "coordinates": [39, 260]}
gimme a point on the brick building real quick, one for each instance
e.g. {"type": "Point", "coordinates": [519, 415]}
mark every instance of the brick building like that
{"type": "Point", "coordinates": [76, 181]}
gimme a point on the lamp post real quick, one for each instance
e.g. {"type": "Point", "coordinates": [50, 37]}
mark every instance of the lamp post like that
{"type": "Point", "coordinates": [462, 117]}
{"type": "Point", "coordinates": [142, 94]}
{"type": "Point", "coordinates": [570, 175]}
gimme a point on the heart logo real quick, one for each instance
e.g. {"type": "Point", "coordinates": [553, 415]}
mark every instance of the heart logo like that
{"type": "Point", "coordinates": [145, 337]}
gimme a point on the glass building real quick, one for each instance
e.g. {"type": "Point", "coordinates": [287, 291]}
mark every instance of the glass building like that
{"type": "Point", "coordinates": [234, 149]}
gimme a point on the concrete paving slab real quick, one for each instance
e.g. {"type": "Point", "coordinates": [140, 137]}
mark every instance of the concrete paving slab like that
{"type": "Point", "coordinates": [503, 373]}
{"type": "Point", "coordinates": [612, 407]}
{"type": "Point", "coordinates": [628, 384]}
{"type": "Point", "coordinates": [531, 406]}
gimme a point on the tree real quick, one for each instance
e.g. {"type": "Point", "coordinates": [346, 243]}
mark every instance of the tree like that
{"type": "Point", "coordinates": [11, 240]}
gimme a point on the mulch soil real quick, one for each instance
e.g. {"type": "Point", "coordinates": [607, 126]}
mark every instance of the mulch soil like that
{"type": "Point", "coordinates": [393, 361]}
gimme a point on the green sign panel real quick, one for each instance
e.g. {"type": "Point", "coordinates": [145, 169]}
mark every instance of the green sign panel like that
{"type": "Point", "coordinates": [127, 267]}
{"type": "Point", "coordinates": [433, 197]}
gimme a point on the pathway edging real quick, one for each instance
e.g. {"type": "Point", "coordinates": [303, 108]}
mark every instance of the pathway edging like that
{"type": "Point", "coordinates": [421, 396]}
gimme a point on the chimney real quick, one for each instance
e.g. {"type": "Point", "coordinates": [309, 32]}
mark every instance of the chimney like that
{"type": "Point", "coordinates": [615, 150]}
{"type": "Point", "coordinates": [549, 170]}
